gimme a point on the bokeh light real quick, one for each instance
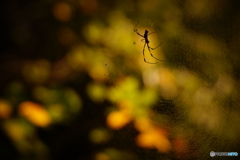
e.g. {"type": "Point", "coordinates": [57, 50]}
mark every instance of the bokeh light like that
{"type": "Point", "coordinates": [74, 83]}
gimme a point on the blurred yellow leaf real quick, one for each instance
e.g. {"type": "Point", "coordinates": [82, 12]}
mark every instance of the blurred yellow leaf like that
{"type": "Point", "coordinates": [154, 138]}
{"type": "Point", "coordinates": [118, 119]}
{"type": "Point", "coordinates": [151, 136]}
{"type": "Point", "coordinates": [98, 73]}
{"type": "Point", "coordinates": [14, 130]}
{"type": "Point", "coordinates": [96, 92]}
{"type": "Point", "coordinates": [35, 113]}
{"type": "Point", "coordinates": [147, 97]}
{"type": "Point", "coordinates": [143, 124]}
{"type": "Point", "coordinates": [126, 89]}
{"type": "Point", "coordinates": [126, 106]}
{"type": "Point", "coordinates": [167, 82]}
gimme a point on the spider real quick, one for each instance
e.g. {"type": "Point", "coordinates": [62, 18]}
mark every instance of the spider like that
{"type": "Point", "coordinates": [145, 36]}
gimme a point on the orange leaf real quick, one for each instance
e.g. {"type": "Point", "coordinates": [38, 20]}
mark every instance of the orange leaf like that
{"type": "Point", "coordinates": [154, 138]}
{"type": "Point", "coordinates": [35, 113]}
{"type": "Point", "coordinates": [118, 119]}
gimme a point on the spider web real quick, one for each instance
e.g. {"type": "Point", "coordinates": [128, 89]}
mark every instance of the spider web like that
{"type": "Point", "coordinates": [189, 101]}
{"type": "Point", "coordinates": [199, 114]}
{"type": "Point", "coordinates": [92, 96]}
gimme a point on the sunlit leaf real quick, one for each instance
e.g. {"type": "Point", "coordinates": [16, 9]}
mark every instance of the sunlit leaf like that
{"type": "Point", "coordinates": [126, 89]}
{"type": "Point", "coordinates": [143, 124]}
{"type": "Point", "coordinates": [147, 97]}
{"type": "Point", "coordinates": [154, 138]}
{"type": "Point", "coordinates": [98, 72]}
{"type": "Point", "coordinates": [118, 119]}
{"type": "Point", "coordinates": [35, 113]}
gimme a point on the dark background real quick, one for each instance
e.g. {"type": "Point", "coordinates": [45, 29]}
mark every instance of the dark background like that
{"type": "Point", "coordinates": [66, 57]}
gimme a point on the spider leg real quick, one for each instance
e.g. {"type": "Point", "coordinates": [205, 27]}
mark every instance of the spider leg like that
{"type": "Point", "coordinates": [136, 31]}
{"type": "Point", "coordinates": [149, 49]}
{"type": "Point", "coordinates": [151, 33]}
{"type": "Point", "coordinates": [155, 47]}
{"type": "Point", "coordinates": [144, 54]}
